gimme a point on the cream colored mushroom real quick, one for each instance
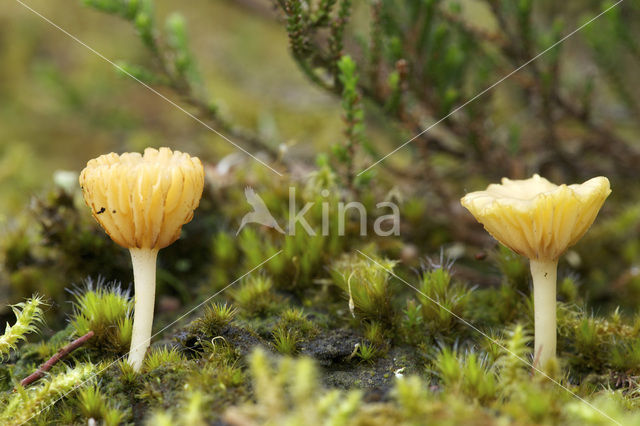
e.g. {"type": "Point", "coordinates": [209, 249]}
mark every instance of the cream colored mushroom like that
{"type": "Point", "coordinates": [142, 201]}
{"type": "Point", "coordinates": [539, 220]}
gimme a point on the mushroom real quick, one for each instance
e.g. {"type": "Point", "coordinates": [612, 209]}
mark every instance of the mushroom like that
{"type": "Point", "coordinates": [539, 220]}
{"type": "Point", "coordinates": [142, 201]}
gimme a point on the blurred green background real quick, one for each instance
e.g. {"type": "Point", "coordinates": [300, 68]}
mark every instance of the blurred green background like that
{"type": "Point", "coordinates": [61, 104]}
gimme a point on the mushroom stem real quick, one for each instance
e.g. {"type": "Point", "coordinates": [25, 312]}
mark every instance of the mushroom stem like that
{"type": "Point", "coordinates": [543, 273]}
{"type": "Point", "coordinates": [144, 278]}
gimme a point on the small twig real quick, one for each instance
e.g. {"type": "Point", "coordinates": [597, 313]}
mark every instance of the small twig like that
{"type": "Point", "coordinates": [63, 352]}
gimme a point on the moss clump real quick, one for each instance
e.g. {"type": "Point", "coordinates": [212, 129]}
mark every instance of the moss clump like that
{"type": "Point", "coordinates": [26, 404]}
{"type": "Point", "coordinates": [61, 246]}
{"type": "Point", "coordinates": [106, 310]}
{"type": "Point", "coordinates": [190, 413]}
{"type": "Point", "coordinates": [93, 403]}
{"type": "Point", "coordinates": [594, 345]}
{"type": "Point", "coordinates": [375, 343]}
{"type": "Point", "coordinates": [469, 374]}
{"type": "Point", "coordinates": [366, 352]}
{"type": "Point", "coordinates": [28, 318]}
{"type": "Point", "coordinates": [367, 287]}
{"type": "Point", "coordinates": [215, 317]}
{"type": "Point", "coordinates": [296, 321]}
{"type": "Point", "coordinates": [255, 296]}
{"type": "Point", "coordinates": [371, 334]}
{"type": "Point", "coordinates": [443, 300]}
{"type": "Point", "coordinates": [290, 394]}
{"type": "Point", "coordinates": [285, 341]}
{"type": "Point", "coordinates": [194, 392]}
{"type": "Point", "coordinates": [161, 357]}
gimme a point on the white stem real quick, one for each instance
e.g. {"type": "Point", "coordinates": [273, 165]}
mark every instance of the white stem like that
{"type": "Point", "coordinates": [144, 279]}
{"type": "Point", "coordinates": [543, 273]}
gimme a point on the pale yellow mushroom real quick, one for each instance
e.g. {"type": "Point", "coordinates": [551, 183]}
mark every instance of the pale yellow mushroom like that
{"type": "Point", "coordinates": [539, 220]}
{"type": "Point", "coordinates": [142, 201]}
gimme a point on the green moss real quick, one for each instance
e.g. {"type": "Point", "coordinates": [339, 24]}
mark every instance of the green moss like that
{"type": "Point", "coordinates": [160, 357]}
{"type": "Point", "coordinates": [296, 319]}
{"type": "Point", "coordinates": [106, 310]}
{"type": "Point", "coordinates": [26, 405]}
{"type": "Point", "coordinates": [191, 413]}
{"type": "Point", "coordinates": [255, 296]}
{"type": "Point", "coordinates": [290, 393]}
{"type": "Point", "coordinates": [366, 352]}
{"type": "Point", "coordinates": [93, 403]}
{"type": "Point", "coordinates": [224, 249]}
{"type": "Point", "coordinates": [215, 317]}
{"type": "Point", "coordinates": [375, 333]}
{"type": "Point", "coordinates": [285, 341]}
{"type": "Point", "coordinates": [513, 268]}
{"type": "Point", "coordinates": [442, 299]}
{"type": "Point", "coordinates": [28, 319]}
{"type": "Point", "coordinates": [367, 287]}
{"type": "Point", "coordinates": [568, 290]}
{"type": "Point", "coordinates": [508, 306]}
{"type": "Point", "coordinates": [204, 368]}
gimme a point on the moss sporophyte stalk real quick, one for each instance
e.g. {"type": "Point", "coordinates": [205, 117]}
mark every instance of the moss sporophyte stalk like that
{"type": "Point", "coordinates": [142, 201]}
{"type": "Point", "coordinates": [539, 220]}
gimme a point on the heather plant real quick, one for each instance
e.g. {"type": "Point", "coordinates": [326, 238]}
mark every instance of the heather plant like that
{"type": "Point", "coordinates": [105, 309]}
{"type": "Point", "coordinates": [24, 405]}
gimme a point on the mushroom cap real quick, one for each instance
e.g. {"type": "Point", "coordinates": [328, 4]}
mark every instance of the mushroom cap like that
{"type": "Point", "coordinates": [142, 201]}
{"type": "Point", "coordinates": [535, 217]}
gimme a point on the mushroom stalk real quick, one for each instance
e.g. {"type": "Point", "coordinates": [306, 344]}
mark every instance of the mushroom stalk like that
{"type": "Point", "coordinates": [144, 278]}
{"type": "Point", "coordinates": [543, 273]}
